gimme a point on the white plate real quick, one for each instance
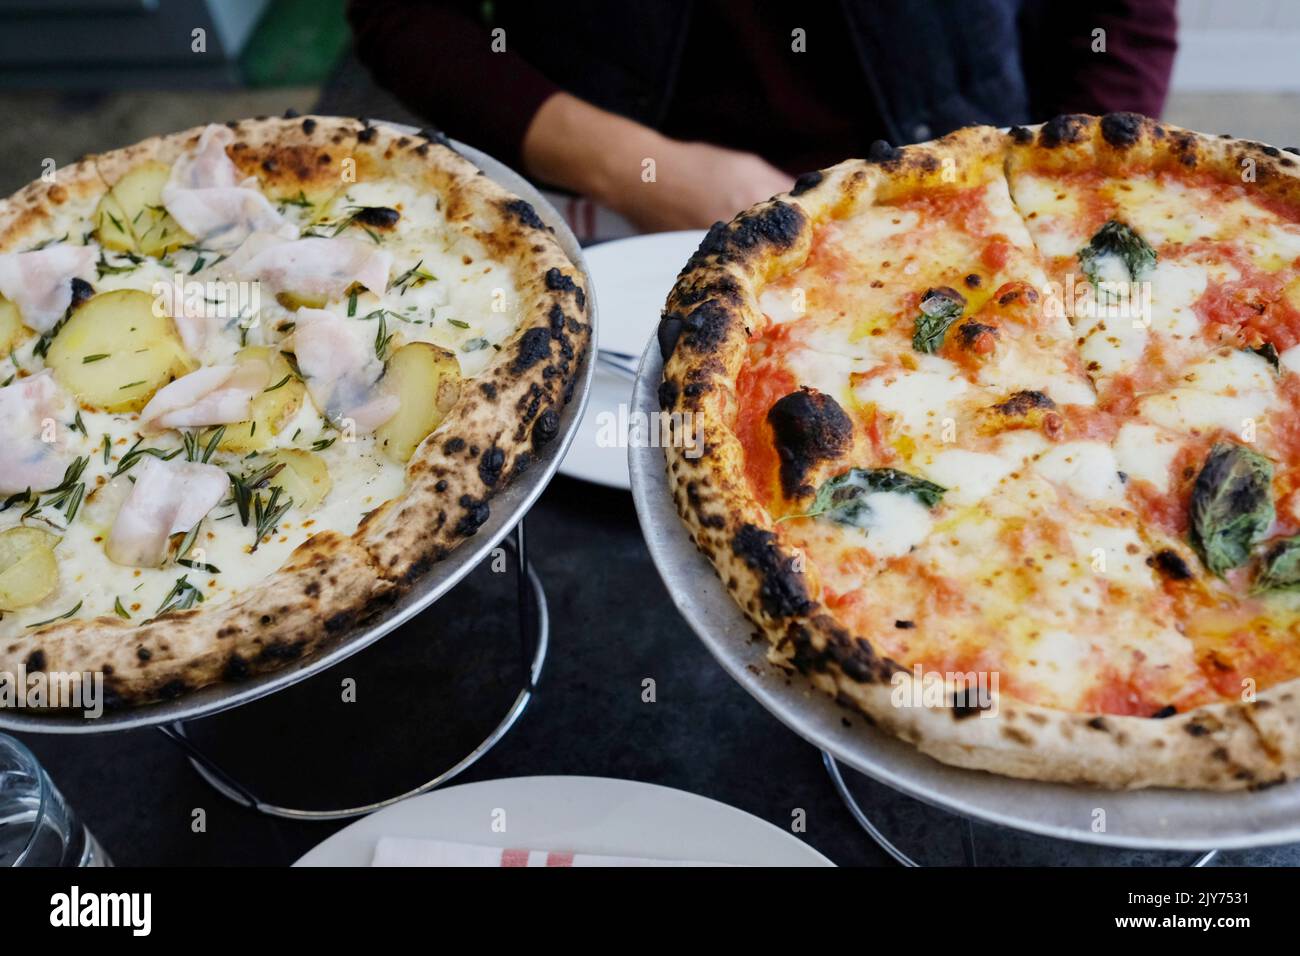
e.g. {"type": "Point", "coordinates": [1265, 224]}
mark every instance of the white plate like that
{"type": "Point", "coordinates": [633, 278]}
{"type": "Point", "coordinates": [579, 814]}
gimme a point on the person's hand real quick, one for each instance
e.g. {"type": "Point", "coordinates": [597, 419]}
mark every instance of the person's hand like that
{"type": "Point", "coordinates": [656, 182]}
{"type": "Point", "coordinates": [695, 185]}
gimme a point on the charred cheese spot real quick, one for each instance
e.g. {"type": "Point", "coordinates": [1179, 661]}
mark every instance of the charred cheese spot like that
{"type": "Point", "coordinates": [1023, 409]}
{"type": "Point", "coordinates": [808, 428]}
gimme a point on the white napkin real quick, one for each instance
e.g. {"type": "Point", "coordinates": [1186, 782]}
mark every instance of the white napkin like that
{"type": "Point", "coordinates": [411, 851]}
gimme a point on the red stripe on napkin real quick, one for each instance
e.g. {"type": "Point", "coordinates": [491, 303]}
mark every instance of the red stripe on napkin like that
{"type": "Point", "coordinates": [514, 857]}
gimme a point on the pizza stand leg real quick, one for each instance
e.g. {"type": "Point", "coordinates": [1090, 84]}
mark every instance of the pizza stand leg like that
{"type": "Point", "coordinates": [967, 825]}
{"type": "Point", "coordinates": [534, 636]}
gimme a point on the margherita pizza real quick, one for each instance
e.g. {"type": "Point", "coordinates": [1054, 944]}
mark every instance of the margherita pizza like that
{"type": "Point", "coordinates": [1015, 411]}
{"type": "Point", "coordinates": [258, 377]}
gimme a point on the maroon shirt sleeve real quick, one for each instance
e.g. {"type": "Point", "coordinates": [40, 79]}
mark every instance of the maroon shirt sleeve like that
{"type": "Point", "coordinates": [437, 58]}
{"type": "Point", "coordinates": [1065, 75]}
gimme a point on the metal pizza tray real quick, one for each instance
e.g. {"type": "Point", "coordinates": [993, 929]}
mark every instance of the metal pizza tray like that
{"type": "Point", "coordinates": [507, 507]}
{"type": "Point", "coordinates": [1152, 819]}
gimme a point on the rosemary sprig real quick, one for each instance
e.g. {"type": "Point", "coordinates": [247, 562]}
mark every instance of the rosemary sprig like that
{"type": "Point", "coordinates": [182, 596]}
{"type": "Point", "coordinates": [244, 489]}
{"type": "Point", "coordinates": [194, 451]}
{"type": "Point", "coordinates": [65, 496]}
{"type": "Point", "coordinates": [59, 617]}
{"type": "Point", "coordinates": [268, 516]}
{"type": "Point", "coordinates": [105, 268]}
{"type": "Point", "coordinates": [300, 200]}
{"type": "Point", "coordinates": [382, 339]}
{"type": "Point", "coordinates": [412, 278]}
{"type": "Point", "coordinates": [122, 612]}
{"type": "Point", "coordinates": [21, 497]}
{"type": "Point", "coordinates": [44, 243]}
{"type": "Point", "coordinates": [187, 545]}
{"type": "Point", "coordinates": [135, 453]}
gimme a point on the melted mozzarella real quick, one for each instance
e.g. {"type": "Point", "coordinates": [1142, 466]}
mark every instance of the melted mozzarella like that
{"type": "Point", "coordinates": [895, 523]}
{"type": "Point", "coordinates": [1175, 287]}
{"type": "Point", "coordinates": [919, 400]}
{"type": "Point", "coordinates": [1055, 214]}
{"type": "Point", "coordinates": [1086, 468]}
{"type": "Point", "coordinates": [1290, 359]}
{"type": "Point", "coordinates": [1114, 553]}
{"type": "Point", "coordinates": [969, 476]}
{"type": "Point", "coordinates": [1144, 451]}
{"type": "Point", "coordinates": [827, 373]}
{"type": "Point", "coordinates": [1111, 345]}
{"type": "Point", "coordinates": [779, 305]}
{"type": "Point", "coordinates": [1226, 390]}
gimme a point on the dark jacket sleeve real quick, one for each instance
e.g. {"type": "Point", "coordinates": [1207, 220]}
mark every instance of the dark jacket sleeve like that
{"type": "Point", "coordinates": [436, 56]}
{"type": "Point", "coordinates": [1066, 74]}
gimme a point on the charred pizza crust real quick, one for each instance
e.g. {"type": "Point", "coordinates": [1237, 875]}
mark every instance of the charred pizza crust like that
{"type": "Point", "coordinates": [332, 583]}
{"type": "Point", "coordinates": [703, 337]}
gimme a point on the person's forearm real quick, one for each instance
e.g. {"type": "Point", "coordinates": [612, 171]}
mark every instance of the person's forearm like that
{"type": "Point", "coordinates": [580, 147]}
{"type": "Point", "coordinates": [656, 182]}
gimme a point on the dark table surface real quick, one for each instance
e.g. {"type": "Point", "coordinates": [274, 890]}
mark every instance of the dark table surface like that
{"type": "Point", "coordinates": [429, 692]}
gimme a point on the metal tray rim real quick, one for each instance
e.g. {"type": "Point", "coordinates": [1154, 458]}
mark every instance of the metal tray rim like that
{"type": "Point", "coordinates": [1137, 819]}
{"type": "Point", "coordinates": [508, 508]}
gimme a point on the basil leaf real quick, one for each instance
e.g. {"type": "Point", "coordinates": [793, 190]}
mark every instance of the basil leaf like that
{"type": "Point", "coordinates": [939, 309]}
{"type": "Point", "coordinates": [1116, 239]}
{"type": "Point", "coordinates": [1232, 505]}
{"type": "Point", "coordinates": [1281, 568]}
{"type": "Point", "coordinates": [841, 498]}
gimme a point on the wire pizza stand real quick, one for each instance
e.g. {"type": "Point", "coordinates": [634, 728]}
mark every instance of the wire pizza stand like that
{"type": "Point", "coordinates": [505, 526]}
{"type": "Point", "coordinates": [1152, 820]}
{"type": "Point", "coordinates": [967, 838]}
{"type": "Point", "coordinates": [534, 638]}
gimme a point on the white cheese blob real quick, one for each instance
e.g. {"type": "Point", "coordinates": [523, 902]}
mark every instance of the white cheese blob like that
{"type": "Point", "coordinates": [969, 476]}
{"type": "Point", "coordinates": [778, 304]}
{"type": "Point", "coordinates": [1175, 287]}
{"type": "Point", "coordinates": [1086, 468]}
{"type": "Point", "coordinates": [1055, 214]}
{"type": "Point", "coordinates": [826, 372]}
{"type": "Point", "coordinates": [1226, 390]}
{"type": "Point", "coordinates": [919, 400]}
{"type": "Point", "coordinates": [896, 523]}
{"type": "Point", "coordinates": [1146, 452]}
{"type": "Point", "coordinates": [1114, 554]}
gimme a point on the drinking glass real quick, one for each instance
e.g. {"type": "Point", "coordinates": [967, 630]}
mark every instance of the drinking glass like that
{"type": "Point", "coordinates": [37, 827]}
